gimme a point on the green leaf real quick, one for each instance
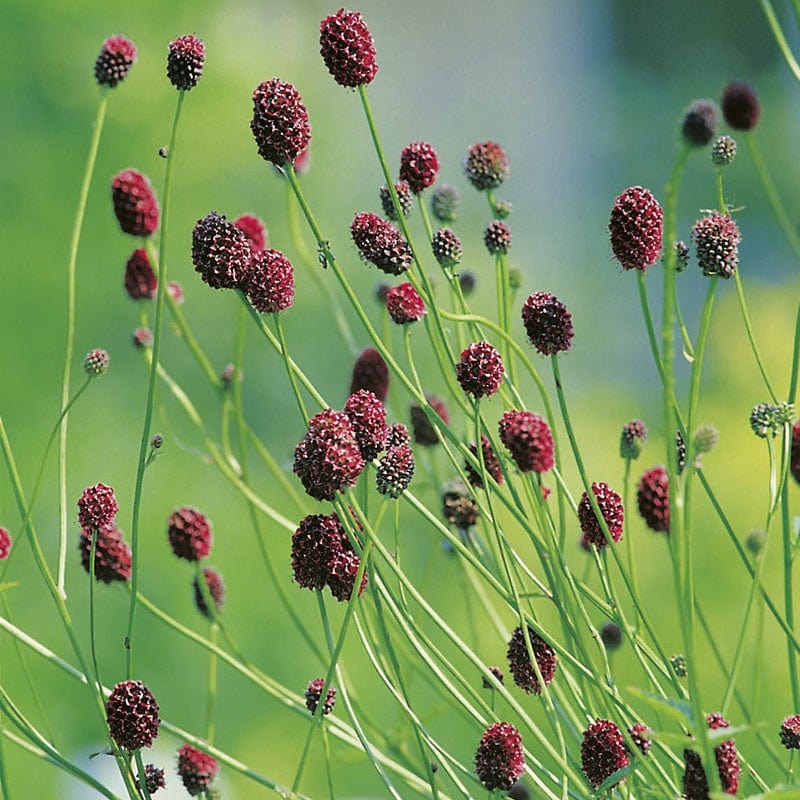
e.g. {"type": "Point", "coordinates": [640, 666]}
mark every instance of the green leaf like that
{"type": "Point", "coordinates": [613, 779]}
{"type": "Point", "coordinates": [677, 710]}
{"type": "Point", "coordinates": [778, 793]}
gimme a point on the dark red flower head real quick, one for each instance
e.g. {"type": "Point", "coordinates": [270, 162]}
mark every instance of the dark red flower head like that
{"type": "Point", "coordinates": [315, 543]}
{"type": "Point", "coordinates": [610, 633]}
{"type": "Point", "coordinates": [395, 470]}
{"type": "Point", "coordinates": [636, 227]}
{"type": "Point", "coordinates": [528, 439]}
{"type": "Point", "coordinates": [314, 693]}
{"type": "Point", "coordinates": [280, 122]}
{"type": "Point", "coordinates": [216, 590]}
{"type": "Point", "coordinates": [154, 778]}
{"type": "Point", "coordinates": [637, 733]}
{"type": "Point", "coordinates": [547, 323]}
{"type": "Point", "coordinates": [603, 751]}
{"type": "Point", "coordinates": [380, 243]}
{"type": "Point", "coordinates": [740, 106]}
{"type": "Point", "coordinates": [790, 732]}
{"type": "Point", "coordinates": [112, 556]}
{"type": "Point", "coordinates": [343, 571]}
{"type": "Point", "coordinates": [142, 337]}
{"type": "Point", "coordinates": [419, 166]}
{"type": "Point", "coordinates": [5, 543]}
{"type": "Point", "coordinates": [189, 534]}
{"type": "Point", "coordinates": [328, 460]}
{"type": "Point", "coordinates": [716, 239]}
{"type": "Point", "coordinates": [695, 782]}
{"type": "Point", "coordinates": [132, 715]}
{"type": "Point", "coordinates": [270, 282]}
{"type": "Point", "coordinates": [486, 165]}
{"type": "Point", "coordinates": [404, 304]}
{"type": "Point", "coordinates": [480, 370]}
{"type": "Point", "coordinates": [422, 428]}
{"type": "Point", "coordinates": [196, 769]}
{"type": "Point", "coordinates": [97, 506]}
{"type": "Point", "coordinates": [116, 57]}
{"type": "Point", "coordinates": [347, 48]}
{"type": "Point", "coordinates": [700, 123]}
{"type": "Point", "coordinates": [652, 497]}
{"type": "Point", "coordinates": [404, 197]}
{"type": "Point", "coordinates": [398, 434]}
{"type": "Point", "coordinates": [446, 247]}
{"type": "Point", "coordinates": [254, 229]}
{"type": "Point", "coordinates": [490, 462]}
{"type": "Point", "coordinates": [135, 203]}
{"type": "Point", "coordinates": [140, 278]}
{"type": "Point", "coordinates": [610, 504]}
{"type": "Point", "coordinates": [370, 372]}
{"type": "Point", "coordinates": [220, 252]}
{"type": "Point", "coordinates": [497, 237]}
{"type": "Point", "coordinates": [500, 760]}
{"type": "Point", "coordinates": [367, 416]}
{"type": "Point", "coordinates": [795, 452]}
{"type": "Point", "coordinates": [498, 673]}
{"type": "Point", "coordinates": [185, 62]}
{"type": "Point", "coordinates": [520, 664]}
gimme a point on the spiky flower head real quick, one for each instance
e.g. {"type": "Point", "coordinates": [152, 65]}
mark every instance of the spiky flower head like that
{"type": "Point", "coordinates": [419, 166]}
{"type": "Point", "coordinates": [490, 463]}
{"type": "Point", "coordinates": [314, 693]}
{"type": "Point", "coordinates": [132, 715]}
{"type": "Point", "coordinates": [220, 252]}
{"type": "Point", "coordinates": [603, 751]}
{"type": "Point", "coordinates": [611, 635]}
{"type": "Point", "coordinates": [480, 370]}
{"type": "Point", "coordinates": [716, 239]}
{"type": "Point", "coordinates": [95, 362]}
{"type": "Point", "coordinates": [269, 284]}
{"type": "Point", "coordinates": [638, 733]}
{"type": "Point", "coordinates": [328, 460]}
{"type": "Point", "coordinates": [280, 122]}
{"type": "Point", "coordinates": [154, 778]}
{"type": "Point", "coordinates": [445, 203]}
{"type": "Point", "coordinates": [652, 498]}
{"type": "Point", "coordinates": [116, 57]}
{"type": "Point", "coordinates": [486, 165]}
{"type": "Point", "coordinates": [185, 62]}
{"type": "Point", "coordinates": [423, 430]}
{"type": "Point", "coordinates": [794, 458]}
{"type": "Point", "coordinates": [347, 48]}
{"type": "Point", "coordinates": [740, 106]}
{"type": "Point", "coordinates": [498, 674]}
{"type": "Point", "coordinates": [404, 304]}
{"type": "Point", "coordinates": [446, 247]}
{"type": "Point", "coordinates": [723, 151]}
{"type": "Point", "coordinates": [135, 204]}
{"type": "Point", "coordinates": [500, 760]}
{"type": "Point", "coordinates": [404, 198]}
{"type": "Point", "coordinates": [395, 470]}
{"type": "Point", "coordinates": [367, 417]}
{"type": "Point", "coordinates": [695, 782]}
{"type": "Point", "coordinates": [681, 256]}
{"type": "Point", "coordinates": [196, 769]}
{"type": "Point", "coordinates": [140, 277]}
{"type": "Point", "coordinates": [633, 439]}
{"type": "Point", "coordinates": [497, 237]}
{"type": "Point", "coordinates": [189, 533]}
{"type": "Point", "coordinates": [700, 123]}
{"type": "Point", "coordinates": [370, 372]}
{"type": "Point", "coordinates": [790, 732]}
{"type": "Point", "coordinates": [254, 229]}
{"type": "Point", "coordinates": [5, 543]}
{"type": "Point", "coordinates": [343, 573]}
{"type": "Point", "coordinates": [315, 543]}
{"type": "Point", "coordinates": [216, 591]}
{"type": "Point", "coordinates": [636, 227]}
{"type": "Point", "coordinates": [547, 323]}
{"type": "Point", "coordinates": [458, 505]}
{"type": "Point", "coordinates": [520, 663]}
{"type": "Point", "coordinates": [112, 556]}
{"type": "Point", "coordinates": [97, 506]}
{"type": "Point", "coordinates": [528, 439]}
{"type": "Point", "coordinates": [380, 243]}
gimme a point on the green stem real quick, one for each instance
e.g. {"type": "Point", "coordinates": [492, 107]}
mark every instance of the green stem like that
{"type": "Point", "coordinates": [292, 377]}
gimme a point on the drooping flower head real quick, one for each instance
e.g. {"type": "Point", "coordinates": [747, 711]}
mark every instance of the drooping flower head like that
{"type": "Point", "coordinates": [189, 534]}
{"type": "Point", "coordinates": [116, 57]}
{"type": "Point", "coordinates": [132, 715]}
{"type": "Point", "coordinates": [500, 760]}
{"type": "Point", "coordinates": [740, 106]}
{"type": "Point", "coordinates": [404, 304]}
{"type": "Point", "coordinates": [520, 663]}
{"type": "Point", "coordinates": [135, 203]}
{"type": "Point", "coordinates": [280, 122]}
{"type": "Point", "coordinates": [419, 166]}
{"type": "Point", "coordinates": [700, 123]}
{"type": "Point", "coordinates": [112, 556]}
{"type": "Point", "coordinates": [347, 48]}
{"type": "Point", "coordinates": [610, 504]}
{"type": "Point", "coordinates": [185, 60]}
{"type": "Point", "coordinates": [367, 417]}
{"type": "Point", "coordinates": [395, 470]}
{"type": "Point", "coordinates": [480, 370]}
{"type": "Point", "coordinates": [652, 498]}
{"type": "Point", "coordinates": [196, 769]}
{"type": "Point", "coordinates": [528, 439]}
{"type": "Point", "coordinates": [370, 372]}
{"type": "Point", "coordinates": [716, 239]}
{"type": "Point", "coordinates": [603, 751]}
{"type": "Point", "coordinates": [216, 591]}
{"type": "Point", "coordinates": [269, 284]}
{"type": "Point", "coordinates": [486, 165]}
{"type": "Point", "coordinates": [254, 229]}
{"type": "Point", "coordinates": [314, 693]}
{"type": "Point", "coordinates": [220, 252]}
{"type": "Point", "coordinates": [547, 323]}
{"type": "Point", "coordinates": [140, 277]}
{"type": "Point", "coordinates": [636, 228]}
{"type": "Point", "coordinates": [380, 243]}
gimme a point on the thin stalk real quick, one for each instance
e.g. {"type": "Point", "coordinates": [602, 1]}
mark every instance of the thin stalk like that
{"type": "Point", "coordinates": [783, 45]}
{"type": "Point", "coordinates": [211, 694]}
{"type": "Point", "coordinates": [751, 336]}
{"type": "Point", "coordinates": [292, 377]}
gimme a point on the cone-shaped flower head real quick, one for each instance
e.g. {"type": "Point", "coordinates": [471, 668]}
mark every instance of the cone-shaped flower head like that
{"type": "Point", "coordinates": [370, 372]}
{"type": "Point", "coordinates": [116, 57]}
{"type": "Point", "coordinates": [528, 439]}
{"type": "Point", "coordinates": [603, 751]}
{"type": "Point", "coordinates": [280, 122]}
{"type": "Point", "coordinates": [700, 123]}
{"type": "Point", "coordinates": [112, 556]}
{"type": "Point", "coordinates": [367, 417]}
{"type": "Point", "coordinates": [254, 229]}
{"type": "Point", "coordinates": [486, 165]}
{"type": "Point", "coordinates": [480, 370]}
{"type": "Point", "coordinates": [395, 470]}
{"type": "Point", "coordinates": [790, 732]}
{"type": "Point", "coordinates": [716, 239]}
{"type": "Point", "coordinates": [497, 237]}
{"type": "Point", "coordinates": [314, 693]}
{"type": "Point", "coordinates": [652, 498]}
{"type": "Point", "coordinates": [5, 543]}
{"type": "Point", "coordinates": [636, 228]}
{"type": "Point", "coordinates": [547, 323]}
{"type": "Point", "coordinates": [610, 504]}
{"type": "Point", "coordinates": [423, 431]}
{"type": "Point", "coordinates": [404, 304]}
{"type": "Point", "coordinates": [135, 203]}
{"type": "Point", "coordinates": [216, 591]}
{"type": "Point", "coordinates": [97, 506]}
{"type": "Point", "coordinates": [196, 769]}
{"type": "Point", "coordinates": [398, 434]}
{"type": "Point", "coordinates": [132, 715]}
{"type": "Point", "coordinates": [95, 362]}
{"type": "Point", "coordinates": [500, 760]}
{"type": "Point", "coordinates": [446, 247]}
{"type": "Point", "coordinates": [189, 534]}
{"type": "Point", "coordinates": [380, 243]}
{"type": "Point", "coordinates": [185, 60]}
{"type": "Point", "coordinates": [490, 462]}
{"type": "Point", "coordinates": [419, 166]}
{"type": "Point", "coordinates": [347, 48]}
{"type": "Point", "coordinates": [140, 277]}
{"type": "Point", "coordinates": [740, 106]}
{"type": "Point", "coordinates": [695, 782]}
{"type": "Point", "coordinates": [404, 197]}
{"type": "Point", "coordinates": [633, 439]}
{"type": "Point", "coordinates": [269, 284]}
{"type": "Point", "coordinates": [343, 573]}
{"type": "Point", "coordinates": [521, 666]}
{"type": "Point", "coordinates": [220, 252]}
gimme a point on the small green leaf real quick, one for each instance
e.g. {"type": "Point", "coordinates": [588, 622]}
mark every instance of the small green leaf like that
{"type": "Point", "coordinates": [677, 710]}
{"type": "Point", "coordinates": [613, 779]}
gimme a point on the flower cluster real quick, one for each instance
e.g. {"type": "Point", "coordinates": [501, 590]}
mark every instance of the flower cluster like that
{"type": "Point", "coordinates": [603, 751]}
{"type": "Point", "coordinates": [380, 243]}
{"type": "Point", "coordinates": [610, 504]}
{"type": "Point", "coordinates": [132, 715]}
{"type": "Point", "coordinates": [500, 760]}
{"type": "Point", "coordinates": [189, 534]}
{"type": "Point", "coordinates": [196, 769]}
{"type": "Point", "coordinates": [135, 203]}
{"type": "Point", "coordinates": [521, 666]}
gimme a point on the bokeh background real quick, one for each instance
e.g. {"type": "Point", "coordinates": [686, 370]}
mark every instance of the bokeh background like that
{"type": "Point", "coordinates": [586, 98]}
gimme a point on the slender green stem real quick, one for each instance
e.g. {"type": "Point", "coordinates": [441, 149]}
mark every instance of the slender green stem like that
{"type": "Point", "coordinates": [751, 336]}
{"type": "Point", "coordinates": [141, 775]}
{"type": "Point", "coordinates": [92, 579]}
{"type": "Point", "coordinates": [775, 27]}
{"type": "Point", "coordinates": [292, 376]}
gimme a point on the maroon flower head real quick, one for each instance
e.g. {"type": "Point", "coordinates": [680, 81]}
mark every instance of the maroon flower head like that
{"type": "Point", "coordinates": [419, 166]}
{"type": "Point", "coordinates": [185, 62]}
{"type": "Point", "coordinates": [395, 470]}
{"type": "Point", "coordinates": [422, 428]}
{"type": "Point", "coordinates": [216, 591]}
{"type": "Point", "coordinates": [497, 237]}
{"type": "Point", "coordinates": [695, 782]}
{"type": "Point", "coordinates": [486, 165]}
{"type": "Point", "coordinates": [520, 664]}
{"type": "Point", "coordinates": [490, 462]}
{"type": "Point", "coordinates": [498, 673]}
{"type": "Point", "coordinates": [196, 769]}
{"type": "Point", "coordinates": [611, 635]}
{"type": "Point", "coordinates": [95, 362]}
{"type": "Point", "coordinates": [404, 197]}
{"type": "Point", "coordinates": [404, 304]}
{"type": "Point", "coordinates": [347, 48]}
{"type": "Point", "coordinates": [97, 506]}
{"type": "Point", "coordinates": [528, 439]}
{"type": "Point", "coordinates": [398, 434]}
{"type": "Point", "coordinates": [116, 57]}
{"type": "Point", "coordinates": [636, 227]}
{"type": "Point", "coordinates": [700, 123]}
{"type": "Point", "coordinates": [480, 370]}
{"type": "Point", "coordinates": [790, 732]}
{"type": "Point", "coordinates": [637, 733]}
{"type": "Point", "coordinates": [140, 278]}
{"type": "Point", "coordinates": [314, 693]}
{"type": "Point", "coordinates": [794, 464]}
{"type": "Point", "coordinates": [446, 247]}
{"type": "Point", "coordinates": [315, 543]}
{"type": "Point", "coordinates": [135, 203]}
{"type": "Point", "coordinates": [500, 760]}
{"type": "Point", "coordinates": [5, 543]}
{"type": "Point", "coordinates": [220, 252]}
{"type": "Point", "coordinates": [610, 504]}
{"type": "Point", "coordinates": [280, 122]}
{"type": "Point", "coordinates": [328, 460]}
{"type": "Point", "coordinates": [368, 418]}
{"type": "Point", "coordinates": [547, 323]}
{"type": "Point", "coordinates": [380, 243]}
{"type": "Point", "coordinates": [270, 282]}
{"type": "Point", "coordinates": [603, 751]}
{"type": "Point", "coordinates": [458, 505]}
{"type": "Point", "coordinates": [740, 106]}
{"type": "Point", "coordinates": [154, 778]}
{"type": "Point", "coordinates": [633, 439]}
{"type": "Point", "coordinates": [112, 556]}
{"type": "Point", "coordinates": [370, 372]}
{"type": "Point", "coordinates": [652, 497]}
{"type": "Point", "coordinates": [132, 715]}
{"type": "Point", "coordinates": [716, 239]}
{"type": "Point", "coordinates": [343, 570]}
{"type": "Point", "coordinates": [254, 229]}
{"type": "Point", "coordinates": [189, 534]}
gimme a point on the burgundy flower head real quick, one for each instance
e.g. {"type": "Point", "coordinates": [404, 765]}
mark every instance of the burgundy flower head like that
{"type": "Point", "coordinates": [500, 760]}
{"type": "Point", "coordinates": [636, 228]}
{"type": "Point", "coordinates": [446, 247]}
{"type": "Point", "coordinates": [116, 57]}
{"type": "Point", "coordinates": [132, 715]}
{"type": "Point", "coordinates": [652, 497]}
{"type": "Point", "coordinates": [112, 556]}
{"type": "Point", "coordinates": [610, 633]}
{"type": "Point", "coordinates": [220, 252]}
{"type": "Point", "coordinates": [547, 323]}
{"type": "Point", "coordinates": [280, 122]}
{"type": "Point", "coordinates": [370, 372]}
{"type": "Point", "coordinates": [520, 664]}
{"type": "Point", "coordinates": [458, 505]}
{"type": "Point", "coordinates": [603, 751]}
{"type": "Point", "coordinates": [140, 278]}
{"type": "Point", "coordinates": [498, 673]}
{"type": "Point", "coordinates": [398, 434]}
{"type": "Point", "coordinates": [790, 732]}
{"type": "Point", "coordinates": [216, 590]}
{"type": "Point", "coordinates": [314, 693]}
{"type": "Point", "coordinates": [419, 166]}
{"type": "Point", "coordinates": [254, 229]}
{"type": "Point", "coordinates": [490, 462]}
{"type": "Point", "coordinates": [497, 237]}
{"type": "Point", "coordinates": [154, 778]}
{"type": "Point", "coordinates": [343, 571]}
{"type": "Point", "coordinates": [97, 506]}
{"type": "Point", "coordinates": [740, 106]}
{"type": "Point", "coordinates": [794, 464]}
{"type": "Point", "coordinates": [637, 733]}
{"type": "Point", "coordinates": [700, 123]}
{"type": "Point", "coordinates": [404, 304]}
{"type": "Point", "coordinates": [196, 769]}
{"type": "Point", "coordinates": [189, 534]}
{"type": "Point", "coordinates": [135, 203]}
{"type": "Point", "coordinates": [695, 783]}
{"type": "Point", "coordinates": [270, 282]}
{"type": "Point", "coordinates": [328, 460]}
{"type": "Point", "coordinates": [424, 432]}
{"type": "Point", "coordinates": [404, 197]}
{"type": "Point", "coordinates": [610, 504]}
{"type": "Point", "coordinates": [633, 439]}
{"type": "Point", "coordinates": [480, 370]}
{"type": "Point", "coordinates": [380, 243]}
{"type": "Point", "coordinates": [315, 543]}
{"type": "Point", "coordinates": [486, 165]}
{"type": "Point", "coordinates": [367, 416]}
{"type": "Point", "coordinates": [716, 239]}
{"type": "Point", "coordinates": [5, 543]}
{"type": "Point", "coordinates": [185, 62]}
{"type": "Point", "coordinates": [395, 470]}
{"type": "Point", "coordinates": [347, 48]}
{"type": "Point", "coordinates": [528, 439]}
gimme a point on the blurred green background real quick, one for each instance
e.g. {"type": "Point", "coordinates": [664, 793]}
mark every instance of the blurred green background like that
{"type": "Point", "coordinates": [586, 98]}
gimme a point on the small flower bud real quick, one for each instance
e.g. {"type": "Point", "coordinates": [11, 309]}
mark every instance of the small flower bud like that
{"type": "Point", "coordinates": [633, 439]}
{"type": "Point", "coordinates": [611, 635]}
{"type": "Point", "coordinates": [404, 198]}
{"type": "Point", "coordinates": [467, 280]}
{"type": "Point", "coordinates": [678, 664]}
{"type": "Point", "coordinates": [503, 208]}
{"type": "Point", "coordinates": [96, 363]}
{"type": "Point", "coordinates": [755, 541]}
{"type": "Point", "coordinates": [446, 246]}
{"type": "Point", "coordinates": [314, 693]}
{"type": "Point", "coordinates": [157, 441]}
{"type": "Point", "coordinates": [497, 237]}
{"type": "Point", "coordinates": [705, 439]}
{"type": "Point", "coordinates": [723, 151]}
{"type": "Point", "coordinates": [116, 57]}
{"type": "Point", "coordinates": [681, 256]}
